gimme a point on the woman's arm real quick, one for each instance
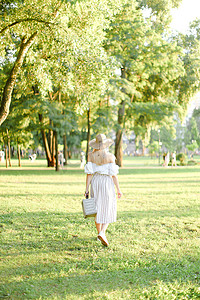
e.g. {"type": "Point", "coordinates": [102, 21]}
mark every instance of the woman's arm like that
{"type": "Point", "coordinates": [89, 176]}
{"type": "Point", "coordinates": [88, 181]}
{"type": "Point", "coordinates": [115, 180]}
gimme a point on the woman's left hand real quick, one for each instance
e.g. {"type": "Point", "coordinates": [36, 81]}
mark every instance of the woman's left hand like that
{"type": "Point", "coordinates": [86, 195]}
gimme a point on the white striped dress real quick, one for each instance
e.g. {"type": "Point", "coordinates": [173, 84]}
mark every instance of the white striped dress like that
{"type": "Point", "coordinates": [103, 191]}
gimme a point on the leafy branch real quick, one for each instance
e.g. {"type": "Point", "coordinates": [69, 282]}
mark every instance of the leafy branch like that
{"type": "Point", "coordinates": [30, 20]}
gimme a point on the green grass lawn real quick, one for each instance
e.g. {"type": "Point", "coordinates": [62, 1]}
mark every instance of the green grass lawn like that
{"type": "Point", "coordinates": [48, 251]}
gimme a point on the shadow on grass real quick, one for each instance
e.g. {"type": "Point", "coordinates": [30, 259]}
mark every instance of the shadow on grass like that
{"type": "Point", "coordinates": [141, 171]}
{"type": "Point", "coordinates": [40, 172]}
{"type": "Point", "coordinates": [56, 254]}
{"type": "Point", "coordinates": [78, 172]}
{"type": "Point", "coordinates": [38, 195]}
{"type": "Point", "coordinates": [96, 279]}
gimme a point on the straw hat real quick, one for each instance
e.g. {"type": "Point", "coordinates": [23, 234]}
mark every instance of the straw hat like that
{"type": "Point", "coordinates": [101, 142]}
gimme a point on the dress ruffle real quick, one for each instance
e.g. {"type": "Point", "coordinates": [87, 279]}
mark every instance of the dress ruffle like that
{"type": "Point", "coordinates": [106, 169]}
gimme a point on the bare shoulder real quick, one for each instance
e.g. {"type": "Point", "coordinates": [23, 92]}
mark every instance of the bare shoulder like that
{"type": "Point", "coordinates": [90, 156]}
{"type": "Point", "coordinates": [111, 158]}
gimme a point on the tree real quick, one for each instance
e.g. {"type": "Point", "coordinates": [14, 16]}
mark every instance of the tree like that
{"type": "Point", "coordinates": [67, 49]}
{"type": "Point", "coordinates": [192, 147]}
{"type": "Point", "coordinates": [191, 133]}
{"type": "Point", "coordinates": [149, 64]}
{"type": "Point", "coordinates": [153, 148]}
{"type": "Point", "coordinates": [179, 139]}
{"type": "Point", "coordinates": [20, 30]}
{"type": "Point", "coordinates": [62, 32]}
{"type": "Point", "coordinates": [15, 133]}
{"type": "Point", "coordinates": [99, 118]}
{"type": "Point", "coordinates": [188, 84]}
{"type": "Point", "coordinates": [150, 115]}
{"type": "Point", "coordinates": [158, 6]}
{"type": "Point", "coordinates": [196, 116]}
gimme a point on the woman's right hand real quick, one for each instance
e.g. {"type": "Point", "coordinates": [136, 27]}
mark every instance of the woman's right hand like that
{"type": "Point", "coordinates": [119, 194]}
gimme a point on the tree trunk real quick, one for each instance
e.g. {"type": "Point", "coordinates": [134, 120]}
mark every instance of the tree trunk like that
{"type": "Point", "coordinates": [88, 133]}
{"type": "Point", "coordinates": [119, 133]}
{"type": "Point", "coordinates": [65, 148]}
{"type": "Point", "coordinates": [143, 149]}
{"type": "Point", "coordinates": [19, 155]}
{"type": "Point", "coordinates": [12, 152]}
{"type": "Point", "coordinates": [9, 152]}
{"type": "Point", "coordinates": [69, 154]}
{"type": "Point", "coordinates": [56, 149]}
{"type": "Point", "coordinates": [53, 154]}
{"type": "Point", "coordinates": [118, 148]}
{"type": "Point", "coordinates": [50, 161]}
{"type": "Point", "coordinates": [50, 138]}
{"type": "Point", "coordinates": [9, 86]}
{"type": "Point", "coordinates": [6, 155]}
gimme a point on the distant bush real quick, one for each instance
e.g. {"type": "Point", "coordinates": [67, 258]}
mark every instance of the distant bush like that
{"type": "Point", "coordinates": [182, 158]}
{"type": "Point", "coordinates": [192, 162]}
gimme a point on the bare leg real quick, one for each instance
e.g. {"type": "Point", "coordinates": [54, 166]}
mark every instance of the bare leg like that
{"type": "Point", "coordinates": [104, 227]}
{"type": "Point", "coordinates": [99, 227]}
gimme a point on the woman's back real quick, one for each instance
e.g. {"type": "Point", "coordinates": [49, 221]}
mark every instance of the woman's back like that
{"type": "Point", "coordinates": [101, 157]}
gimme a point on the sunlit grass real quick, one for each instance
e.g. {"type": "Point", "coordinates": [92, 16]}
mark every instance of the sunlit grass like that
{"type": "Point", "coordinates": [48, 251]}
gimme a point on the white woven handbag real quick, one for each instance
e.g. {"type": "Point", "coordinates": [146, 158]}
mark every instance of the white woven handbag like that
{"type": "Point", "coordinates": [89, 208]}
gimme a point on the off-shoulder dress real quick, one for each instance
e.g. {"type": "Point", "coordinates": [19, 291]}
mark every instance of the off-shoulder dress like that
{"type": "Point", "coordinates": [103, 190]}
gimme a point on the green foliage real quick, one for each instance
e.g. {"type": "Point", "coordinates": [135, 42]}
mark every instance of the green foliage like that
{"type": "Point", "coordinates": [188, 84]}
{"type": "Point", "coordinates": [66, 49]}
{"type": "Point", "coordinates": [149, 61]}
{"type": "Point", "coordinates": [104, 119]}
{"type": "Point", "coordinates": [77, 49]}
{"type": "Point", "coordinates": [182, 158]}
{"type": "Point", "coordinates": [158, 6]}
{"type": "Point", "coordinates": [179, 135]}
{"type": "Point", "coordinates": [191, 134]}
{"type": "Point", "coordinates": [153, 147]}
{"type": "Point", "coordinates": [196, 116]}
{"type": "Point", "coordinates": [167, 136]}
{"type": "Point", "coordinates": [74, 139]}
{"type": "Point", "coordinates": [192, 147]}
{"type": "Point", "coordinates": [150, 114]}
{"type": "Point", "coordinates": [18, 125]}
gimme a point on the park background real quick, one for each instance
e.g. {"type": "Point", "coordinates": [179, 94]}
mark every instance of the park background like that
{"type": "Point", "coordinates": [70, 70]}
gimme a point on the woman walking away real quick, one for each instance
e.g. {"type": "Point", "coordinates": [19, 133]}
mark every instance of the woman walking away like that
{"type": "Point", "coordinates": [102, 173]}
